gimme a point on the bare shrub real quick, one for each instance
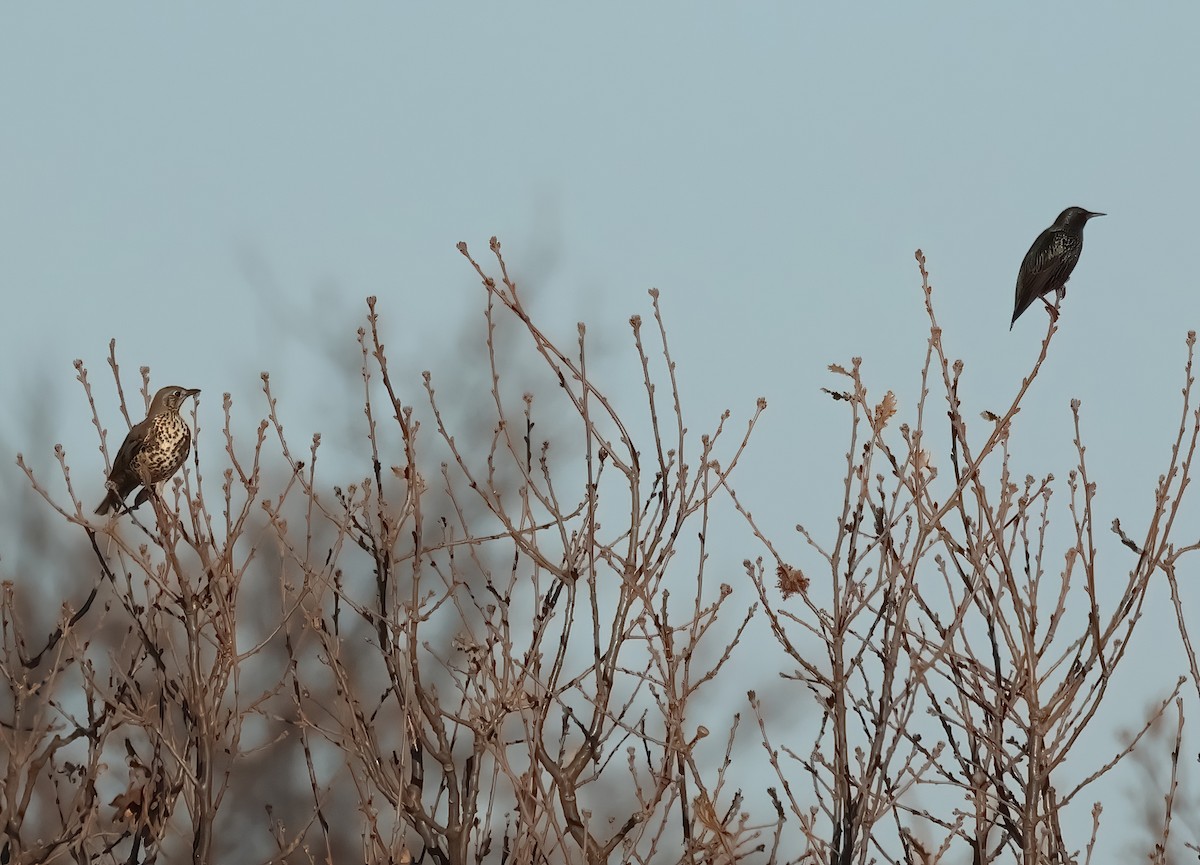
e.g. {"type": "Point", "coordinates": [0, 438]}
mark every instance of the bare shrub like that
{"type": "Point", "coordinates": [495, 649]}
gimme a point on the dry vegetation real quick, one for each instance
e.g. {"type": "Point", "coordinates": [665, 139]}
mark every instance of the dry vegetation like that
{"type": "Point", "coordinates": [498, 651]}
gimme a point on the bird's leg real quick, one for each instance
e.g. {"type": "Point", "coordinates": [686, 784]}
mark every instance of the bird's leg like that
{"type": "Point", "coordinates": [145, 493]}
{"type": "Point", "coordinates": [1051, 308]}
{"type": "Point", "coordinates": [147, 487]}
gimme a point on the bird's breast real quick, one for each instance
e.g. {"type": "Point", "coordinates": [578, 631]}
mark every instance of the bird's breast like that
{"type": "Point", "coordinates": [165, 447]}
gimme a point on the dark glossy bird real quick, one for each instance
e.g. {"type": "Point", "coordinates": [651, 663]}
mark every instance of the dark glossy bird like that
{"type": "Point", "coordinates": [152, 451]}
{"type": "Point", "coordinates": [1049, 262]}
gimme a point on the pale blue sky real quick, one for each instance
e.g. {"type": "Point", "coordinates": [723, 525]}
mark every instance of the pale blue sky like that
{"type": "Point", "coordinates": [769, 167]}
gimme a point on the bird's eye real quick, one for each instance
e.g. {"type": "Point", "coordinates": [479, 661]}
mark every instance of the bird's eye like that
{"type": "Point", "coordinates": [178, 394]}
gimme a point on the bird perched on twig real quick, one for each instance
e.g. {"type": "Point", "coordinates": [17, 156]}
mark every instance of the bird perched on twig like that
{"type": "Point", "coordinates": [153, 450]}
{"type": "Point", "coordinates": [1049, 262]}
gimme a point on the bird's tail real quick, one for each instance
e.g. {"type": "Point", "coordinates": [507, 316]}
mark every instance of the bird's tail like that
{"type": "Point", "coordinates": [1021, 306]}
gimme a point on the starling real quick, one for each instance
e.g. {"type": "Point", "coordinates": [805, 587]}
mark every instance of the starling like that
{"type": "Point", "coordinates": [1049, 262]}
{"type": "Point", "coordinates": [152, 451]}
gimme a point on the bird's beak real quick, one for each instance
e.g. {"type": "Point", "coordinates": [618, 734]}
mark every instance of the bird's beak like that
{"type": "Point", "coordinates": [195, 391]}
{"type": "Point", "coordinates": [1092, 215]}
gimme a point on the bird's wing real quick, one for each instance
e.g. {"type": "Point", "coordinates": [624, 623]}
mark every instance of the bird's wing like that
{"type": "Point", "coordinates": [1046, 266]}
{"type": "Point", "coordinates": [123, 463]}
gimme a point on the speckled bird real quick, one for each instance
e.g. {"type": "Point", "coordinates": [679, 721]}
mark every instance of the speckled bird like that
{"type": "Point", "coordinates": [1049, 262]}
{"type": "Point", "coordinates": [152, 451]}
